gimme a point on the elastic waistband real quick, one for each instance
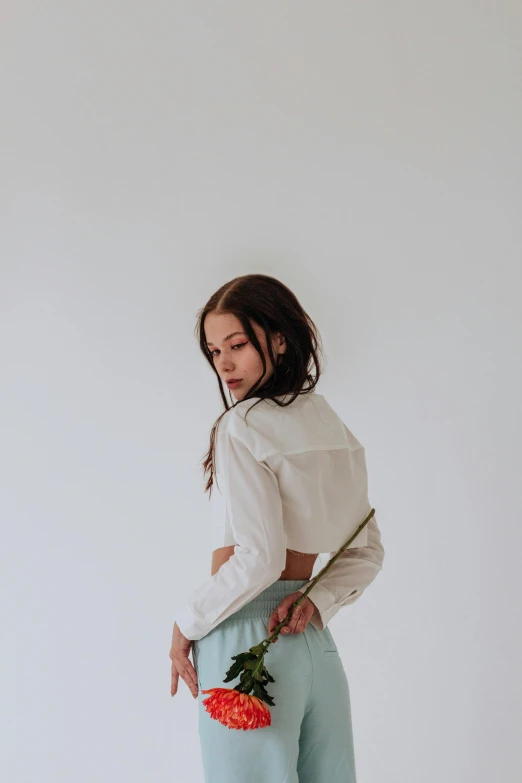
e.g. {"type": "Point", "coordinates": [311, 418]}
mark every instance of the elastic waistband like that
{"type": "Point", "coordinates": [264, 604]}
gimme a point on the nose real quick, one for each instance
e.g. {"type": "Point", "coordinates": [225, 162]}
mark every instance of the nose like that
{"type": "Point", "coordinates": [226, 366]}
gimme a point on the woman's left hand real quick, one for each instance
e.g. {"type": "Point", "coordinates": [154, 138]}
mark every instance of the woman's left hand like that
{"type": "Point", "coordinates": [300, 616]}
{"type": "Point", "coordinates": [181, 663]}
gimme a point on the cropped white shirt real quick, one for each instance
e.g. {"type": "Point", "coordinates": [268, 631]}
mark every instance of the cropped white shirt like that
{"type": "Point", "coordinates": [287, 477]}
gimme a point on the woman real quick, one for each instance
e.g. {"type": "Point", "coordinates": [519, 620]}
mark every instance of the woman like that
{"type": "Point", "coordinates": [291, 483]}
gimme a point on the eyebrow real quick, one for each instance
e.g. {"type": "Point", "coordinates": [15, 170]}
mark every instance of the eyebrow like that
{"type": "Point", "coordinates": [228, 337]}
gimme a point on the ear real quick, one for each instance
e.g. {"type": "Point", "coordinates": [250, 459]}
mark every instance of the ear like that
{"type": "Point", "coordinates": [279, 343]}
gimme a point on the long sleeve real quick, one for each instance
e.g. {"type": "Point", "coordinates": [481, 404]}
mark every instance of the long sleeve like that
{"type": "Point", "coordinates": [255, 516]}
{"type": "Point", "coordinates": [347, 579]}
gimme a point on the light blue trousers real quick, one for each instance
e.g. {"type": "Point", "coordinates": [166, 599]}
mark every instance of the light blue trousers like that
{"type": "Point", "coordinates": [310, 738]}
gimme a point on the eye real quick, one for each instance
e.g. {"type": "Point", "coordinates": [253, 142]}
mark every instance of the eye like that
{"type": "Point", "coordinates": [237, 345]}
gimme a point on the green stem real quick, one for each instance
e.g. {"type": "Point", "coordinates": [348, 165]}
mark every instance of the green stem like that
{"type": "Point", "coordinates": [316, 578]}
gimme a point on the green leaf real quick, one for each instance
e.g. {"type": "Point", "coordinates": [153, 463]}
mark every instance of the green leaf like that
{"type": "Point", "coordinates": [244, 656]}
{"type": "Point", "coordinates": [246, 677]}
{"type": "Point", "coordinates": [233, 673]}
{"type": "Point", "coordinates": [257, 690]}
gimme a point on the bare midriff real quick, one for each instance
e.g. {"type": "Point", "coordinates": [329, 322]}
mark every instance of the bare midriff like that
{"type": "Point", "coordinates": [296, 567]}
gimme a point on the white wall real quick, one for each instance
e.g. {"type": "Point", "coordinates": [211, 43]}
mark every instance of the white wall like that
{"type": "Point", "coordinates": [369, 156]}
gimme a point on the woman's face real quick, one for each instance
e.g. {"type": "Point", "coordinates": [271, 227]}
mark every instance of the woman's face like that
{"type": "Point", "coordinates": [236, 357]}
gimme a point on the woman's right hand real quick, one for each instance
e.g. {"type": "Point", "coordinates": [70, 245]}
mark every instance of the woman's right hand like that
{"type": "Point", "coordinates": [299, 619]}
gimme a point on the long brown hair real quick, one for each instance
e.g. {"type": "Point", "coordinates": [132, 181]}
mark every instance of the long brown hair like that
{"type": "Point", "coordinates": [270, 304]}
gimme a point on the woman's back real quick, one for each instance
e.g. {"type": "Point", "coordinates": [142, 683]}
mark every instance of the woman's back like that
{"type": "Point", "coordinates": [319, 466]}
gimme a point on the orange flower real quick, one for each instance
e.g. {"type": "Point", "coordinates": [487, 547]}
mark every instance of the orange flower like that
{"type": "Point", "coordinates": [236, 710]}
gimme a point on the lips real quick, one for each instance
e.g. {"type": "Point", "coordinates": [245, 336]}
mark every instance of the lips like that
{"type": "Point", "coordinates": [233, 380]}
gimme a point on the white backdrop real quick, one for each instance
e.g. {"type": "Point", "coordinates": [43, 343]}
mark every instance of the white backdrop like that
{"type": "Point", "coordinates": [369, 156]}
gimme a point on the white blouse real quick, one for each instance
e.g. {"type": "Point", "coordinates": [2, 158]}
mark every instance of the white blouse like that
{"type": "Point", "coordinates": [287, 477]}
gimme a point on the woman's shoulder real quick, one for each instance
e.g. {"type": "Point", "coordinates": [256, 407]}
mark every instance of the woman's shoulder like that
{"type": "Point", "coordinates": [237, 424]}
{"type": "Point", "coordinates": [267, 428]}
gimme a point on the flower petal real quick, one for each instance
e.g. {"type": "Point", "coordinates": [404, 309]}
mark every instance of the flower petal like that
{"type": "Point", "coordinates": [236, 710]}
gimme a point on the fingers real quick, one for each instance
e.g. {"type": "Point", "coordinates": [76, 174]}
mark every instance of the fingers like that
{"type": "Point", "coordinates": [282, 612]}
{"type": "Point", "coordinates": [298, 620]}
{"type": "Point", "coordinates": [183, 667]}
{"type": "Point", "coordinates": [174, 681]}
{"type": "Point", "coordinates": [275, 618]}
{"type": "Point", "coordinates": [296, 624]}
